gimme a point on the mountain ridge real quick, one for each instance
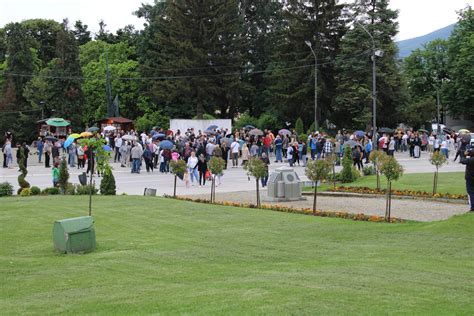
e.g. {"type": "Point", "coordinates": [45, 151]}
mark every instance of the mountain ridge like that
{"type": "Point", "coordinates": [405, 47]}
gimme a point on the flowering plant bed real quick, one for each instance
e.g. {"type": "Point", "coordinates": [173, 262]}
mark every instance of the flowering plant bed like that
{"type": "Point", "coordinates": [304, 211]}
{"type": "Point", "coordinates": [422, 194]}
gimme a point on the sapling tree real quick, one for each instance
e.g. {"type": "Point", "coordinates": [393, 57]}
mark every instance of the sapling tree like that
{"type": "Point", "coordinates": [107, 184]}
{"type": "Point", "coordinates": [63, 175]}
{"type": "Point", "coordinates": [317, 170]}
{"type": "Point", "coordinates": [257, 169]}
{"type": "Point", "coordinates": [347, 173]}
{"type": "Point", "coordinates": [377, 158]}
{"type": "Point", "coordinates": [21, 178]}
{"type": "Point", "coordinates": [178, 168]}
{"type": "Point", "coordinates": [332, 160]}
{"type": "Point", "coordinates": [392, 170]}
{"type": "Point", "coordinates": [437, 159]}
{"type": "Point", "coordinates": [100, 157]}
{"type": "Point", "coordinates": [216, 166]}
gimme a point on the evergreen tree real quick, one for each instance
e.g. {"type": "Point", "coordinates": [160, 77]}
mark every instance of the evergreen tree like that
{"type": "Point", "coordinates": [196, 45]}
{"type": "Point", "coordinates": [81, 33]}
{"type": "Point", "coordinates": [352, 105]}
{"type": "Point", "coordinates": [290, 82]}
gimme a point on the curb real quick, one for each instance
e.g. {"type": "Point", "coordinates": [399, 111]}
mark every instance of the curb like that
{"type": "Point", "coordinates": [375, 196]}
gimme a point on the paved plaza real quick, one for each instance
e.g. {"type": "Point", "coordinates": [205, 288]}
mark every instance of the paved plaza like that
{"type": "Point", "coordinates": [234, 179]}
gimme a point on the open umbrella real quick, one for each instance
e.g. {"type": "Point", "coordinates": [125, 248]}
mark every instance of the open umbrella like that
{"type": "Point", "coordinates": [93, 129]}
{"type": "Point", "coordinates": [158, 136]}
{"type": "Point", "coordinates": [466, 138]}
{"type": "Point", "coordinates": [109, 128]}
{"type": "Point", "coordinates": [359, 133]}
{"type": "Point", "coordinates": [86, 134]}
{"type": "Point", "coordinates": [463, 131]}
{"type": "Point", "coordinates": [166, 144]}
{"type": "Point", "coordinates": [256, 132]}
{"type": "Point", "coordinates": [75, 135]}
{"type": "Point", "coordinates": [129, 137]}
{"type": "Point", "coordinates": [57, 121]}
{"type": "Point", "coordinates": [448, 130]}
{"type": "Point", "coordinates": [210, 132]}
{"type": "Point", "coordinates": [213, 127]}
{"type": "Point", "coordinates": [68, 142]}
{"type": "Point", "coordinates": [107, 148]}
{"type": "Point", "coordinates": [249, 127]}
{"type": "Point", "coordinates": [422, 130]}
{"type": "Point", "coordinates": [51, 138]}
{"type": "Point", "coordinates": [350, 143]}
{"type": "Point", "coordinates": [284, 131]}
{"type": "Point", "coordinates": [386, 130]}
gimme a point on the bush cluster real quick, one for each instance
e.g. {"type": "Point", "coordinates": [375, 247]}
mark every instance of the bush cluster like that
{"type": "Point", "coordinates": [6, 189]}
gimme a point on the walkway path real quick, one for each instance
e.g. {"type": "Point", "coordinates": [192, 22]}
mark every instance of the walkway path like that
{"type": "Point", "coordinates": [418, 210]}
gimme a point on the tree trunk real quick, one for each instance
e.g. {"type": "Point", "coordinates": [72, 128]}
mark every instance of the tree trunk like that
{"type": "Point", "coordinates": [315, 198]}
{"type": "Point", "coordinates": [174, 191]}
{"type": "Point", "coordinates": [387, 196]}
{"type": "Point", "coordinates": [90, 192]}
{"type": "Point", "coordinates": [378, 178]}
{"type": "Point", "coordinates": [258, 194]}
{"type": "Point", "coordinates": [334, 177]}
{"type": "Point", "coordinates": [435, 181]}
{"type": "Point", "coordinates": [212, 188]}
{"type": "Point", "coordinates": [389, 200]}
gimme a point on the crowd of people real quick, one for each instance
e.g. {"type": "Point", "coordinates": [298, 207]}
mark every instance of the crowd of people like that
{"type": "Point", "coordinates": [147, 150]}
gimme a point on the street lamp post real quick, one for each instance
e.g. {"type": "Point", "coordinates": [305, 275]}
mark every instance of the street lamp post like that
{"type": "Point", "coordinates": [374, 85]}
{"type": "Point", "coordinates": [42, 109]}
{"type": "Point", "coordinates": [315, 85]}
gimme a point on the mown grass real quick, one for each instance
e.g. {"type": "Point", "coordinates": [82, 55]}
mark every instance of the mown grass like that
{"type": "Point", "coordinates": [165, 256]}
{"type": "Point", "coordinates": [452, 183]}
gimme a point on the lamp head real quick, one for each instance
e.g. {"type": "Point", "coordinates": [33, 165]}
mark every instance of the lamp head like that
{"type": "Point", "coordinates": [308, 43]}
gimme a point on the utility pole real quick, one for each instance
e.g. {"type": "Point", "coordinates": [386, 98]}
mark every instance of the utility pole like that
{"type": "Point", "coordinates": [438, 130]}
{"type": "Point", "coordinates": [108, 87]}
{"type": "Point", "coordinates": [316, 127]}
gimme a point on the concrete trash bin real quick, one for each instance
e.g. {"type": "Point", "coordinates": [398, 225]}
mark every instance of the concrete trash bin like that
{"type": "Point", "coordinates": [74, 235]}
{"type": "Point", "coordinates": [284, 184]}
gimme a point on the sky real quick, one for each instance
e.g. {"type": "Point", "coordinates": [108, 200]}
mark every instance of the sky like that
{"type": "Point", "coordinates": [416, 17]}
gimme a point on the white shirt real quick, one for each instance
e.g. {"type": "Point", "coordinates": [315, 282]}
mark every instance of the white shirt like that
{"type": "Point", "coordinates": [118, 142]}
{"type": "Point", "coordinates": [192, 162]}
{"type": "Point", "coordinates": [235, 147]}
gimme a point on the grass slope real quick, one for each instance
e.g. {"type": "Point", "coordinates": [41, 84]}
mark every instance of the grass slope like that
{"type": "Point", "coordinates": [448, 182]}
{"type": "Point", "coordinates": [163, 256]}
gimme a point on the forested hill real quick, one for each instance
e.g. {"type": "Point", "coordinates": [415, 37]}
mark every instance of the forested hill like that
{"type": "Point", "coordinates": [405, 47]}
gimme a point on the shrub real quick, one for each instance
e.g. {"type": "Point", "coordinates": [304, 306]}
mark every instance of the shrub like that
{"type": "Point", "coordinates": [299, 127]}
{"type": "Point", "coordinates": [368, 170]}
{"type": "Point", "coordinates": [25, 192]}
{"type": "Point", "coordinates": [348, 172]}
{"type": "Point", "coordinates": [303, 138]}
{"type": "Point", "coordinates": [35, 190]}
{"type": "Point", "coordinates": [63, 176]}
{"type": "Point", "coordinates": [70, 189]}
{"type": "Point", "coordinates": [85, 189]}
{"type": "Point", "coordinates": [6, 189]}
{"type": "Point", "coordinates": [50, 191]}
{"type": "Point", "coordinates": [107, 185]}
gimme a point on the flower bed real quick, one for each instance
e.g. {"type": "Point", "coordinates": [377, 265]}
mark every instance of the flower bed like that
{"type": "Point", "coordinates": [422, 194]}
{"type": "Point", "coordinates": [304, 211]}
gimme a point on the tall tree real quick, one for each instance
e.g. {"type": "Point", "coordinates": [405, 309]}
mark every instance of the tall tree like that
{"type": "Point", "coordinates": [81, 33]}
{"type": "Point", "coordinates": [352, 106]}
{"type": "Point", "coordinates": [459, 93]}
{"type": "Point", "coordinates": [194, 48]}
{"type": "Point", "coordinates": [290, 80]}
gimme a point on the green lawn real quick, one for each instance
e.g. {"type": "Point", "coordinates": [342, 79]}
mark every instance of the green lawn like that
{"type": "Point", "coordinates": [448, 182]}
{"type": "Point", "coordinates": [164, 256]}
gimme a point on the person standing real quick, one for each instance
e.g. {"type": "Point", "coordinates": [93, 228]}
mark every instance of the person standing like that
{"type": "Point", "coordinates": [118, 144]}
{"type": "Point", "coordinates": [468, 160]}
{"type": "Point", "coordinates": [266, 161]}
{"type": "Point", "coordinates": [202, 168]}
{"type": "Point", "coordinates": [289, 155]}
{"type": "Point", "coordinates": [278, 149]}
{"type": "Point", "coordinates": [47, 153]}
{"type": "Point", "coordinates": [39, 148]}
{"type": "Point", "coordinates": [72, 155]}
{"type": "Point", "coordinates": [192, 167]}
{"type": "Point", "coordinates": [55, 174]}
{"type": "Point", "coordinates": [235, 147]}
{"type": "Point", "coordinates": [245, 154]}
{"type": "Point", "coordinates": [8, 151]}
{"type": "Point", "coordinates": [136, 155]}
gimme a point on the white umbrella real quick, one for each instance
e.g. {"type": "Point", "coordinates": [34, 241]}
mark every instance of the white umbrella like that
{"type": "Point", "coordinates": [110, 128]}
{"type": "Point", "coordinates": [129, 137]}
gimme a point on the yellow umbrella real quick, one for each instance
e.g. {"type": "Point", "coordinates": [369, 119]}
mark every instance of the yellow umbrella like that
{"type": "Point", "coordinates": [75, 135]}
{"type": "Point", "coordinates": [86, 134]}
{"type": "Point", "coordinates": [463, 131]}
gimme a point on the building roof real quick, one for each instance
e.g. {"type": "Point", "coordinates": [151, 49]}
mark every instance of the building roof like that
{"type": "Point", "coordinates": [118, 119]}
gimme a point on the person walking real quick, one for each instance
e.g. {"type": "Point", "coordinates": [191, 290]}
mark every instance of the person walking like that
{"type": "Point", "coordinates": [148, 157]}
{"type": "Point", "coordinates": [55, 173]}
{"type": "Point", "coordinates": [245, 154]}
{"type": "Point", "coordinates": [118, 141]}
{"type": "Point", "coordinates": [289, 155]}
{"type": "Point", "coordinates": [278, 149]}
{"type": "Point", "coordinates": [80, 157]}
{"type": "Point", "coordinates": [468, 160]}
{"type": "Point", "coordinates": [72, 155]}
{"type": "Point", "coordinates": [192, 167]}
{"type": "Point", "coordinates": [8, 151]}
{"type": "Point", "coordinates": [357, 156]}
